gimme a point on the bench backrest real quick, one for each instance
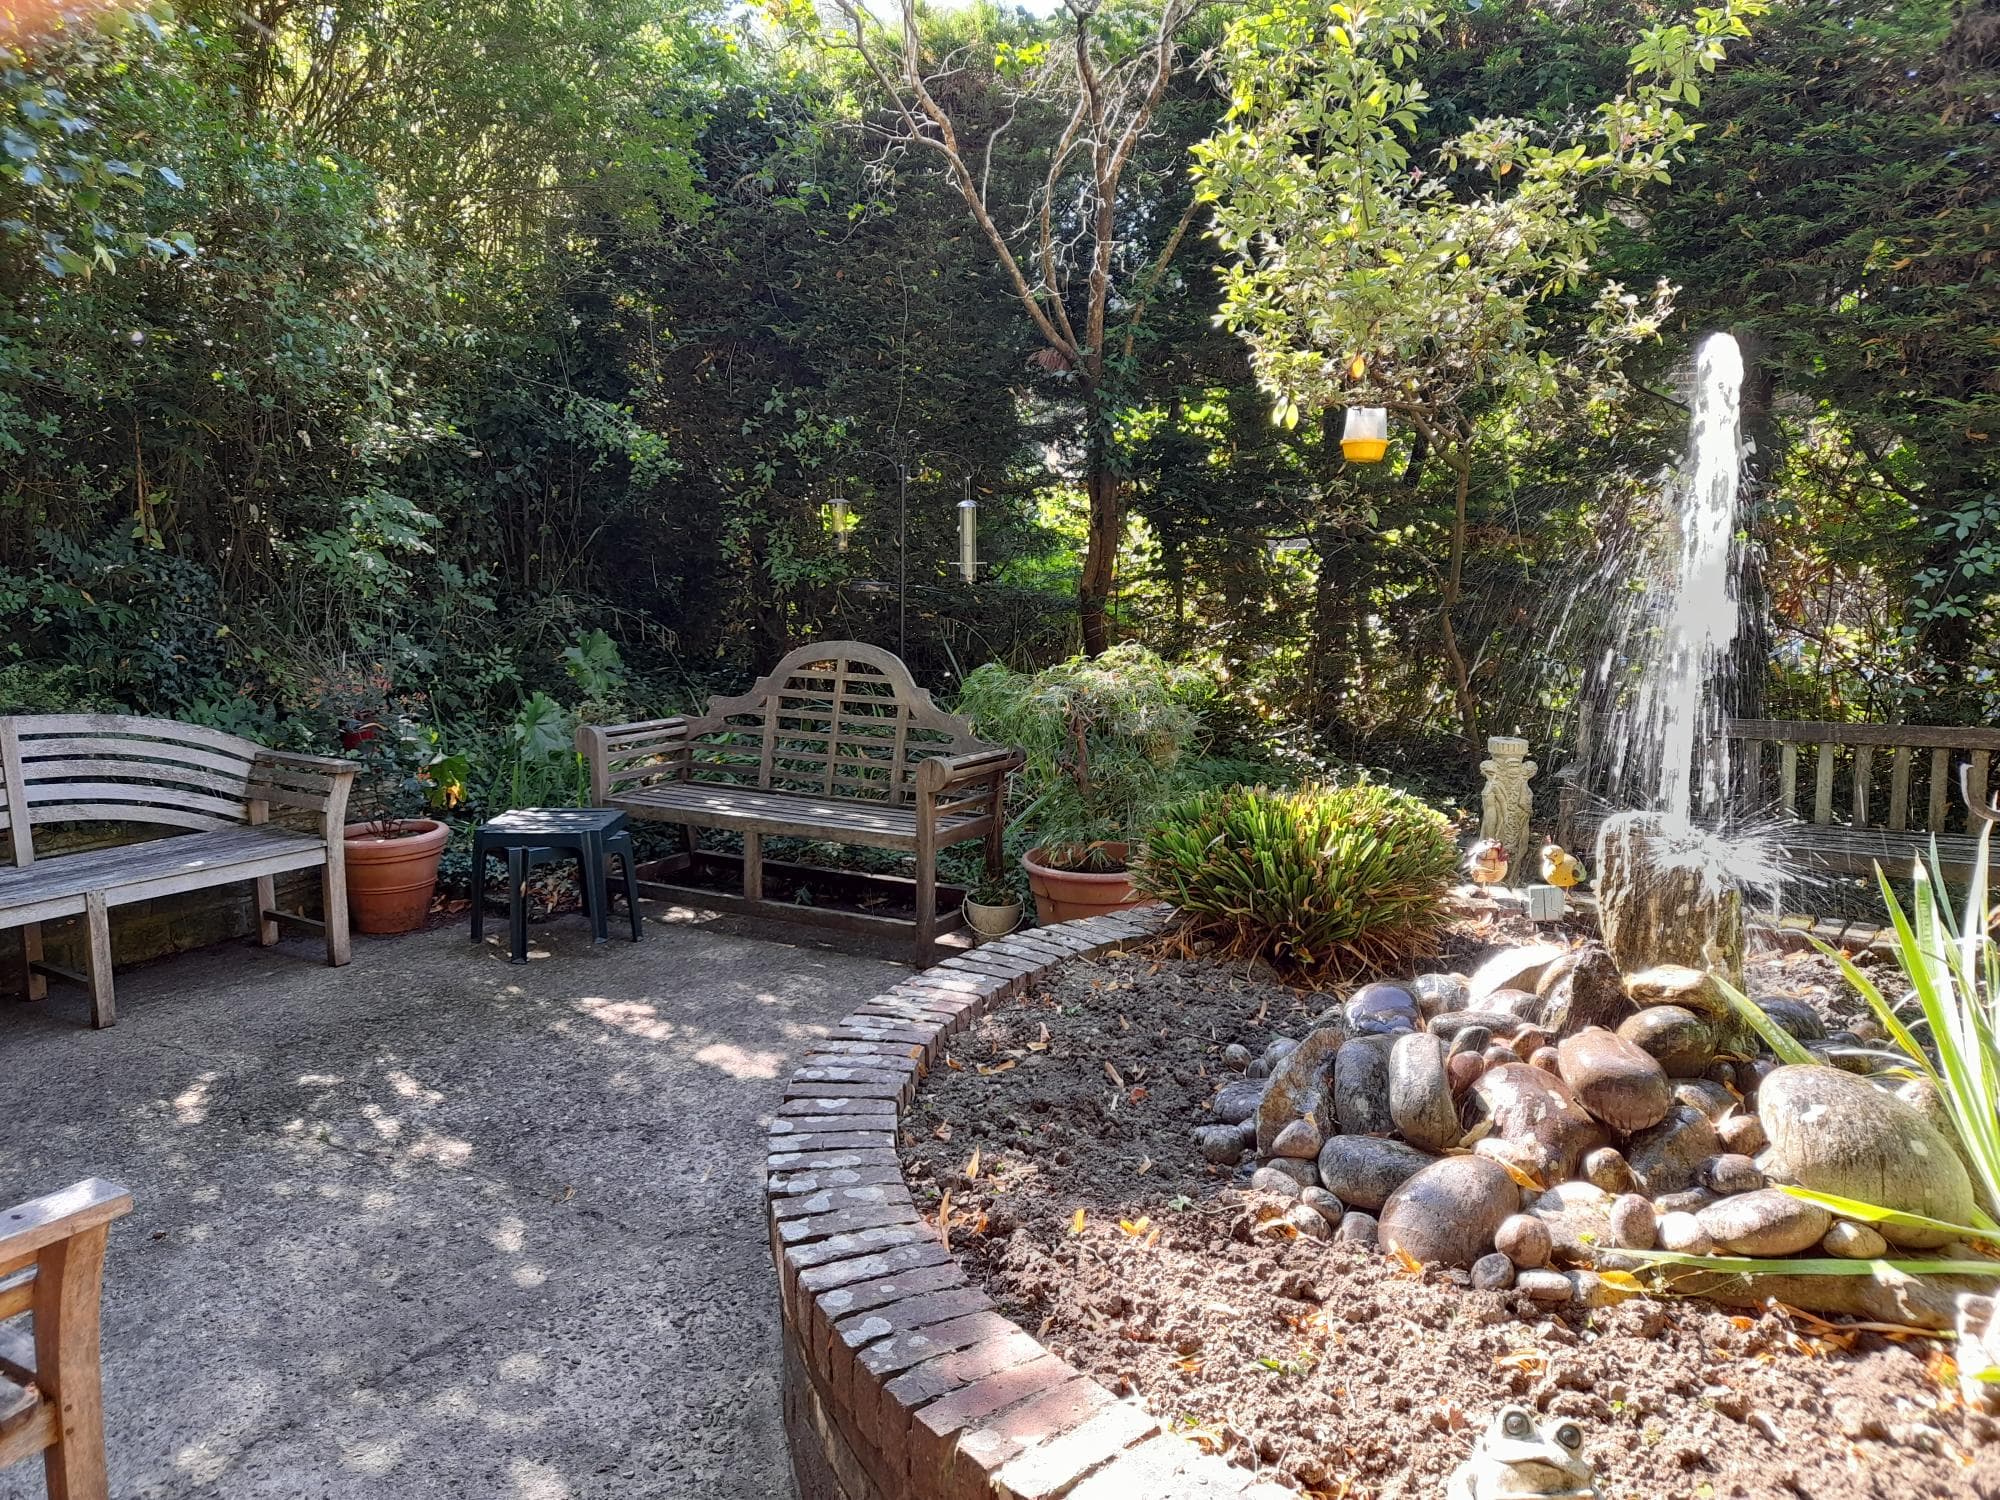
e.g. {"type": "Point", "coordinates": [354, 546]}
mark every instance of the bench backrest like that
{"type": "Point", "coordinates": [1893, 776]}
{"type": "Point", "coordinates": [115, 768]}
{"type": "Point", "coordinates": [839, 718]}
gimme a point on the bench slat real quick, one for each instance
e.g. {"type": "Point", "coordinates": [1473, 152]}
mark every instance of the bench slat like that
{"type": "Point", "coordinates": [1864, 766]}
{"type": "Point", "coordinates": [1940, 788]}
{"type": "Point", "coordinates": [164, 731]}
{"type": "Point", "coordinates": [1823, 785]}
{"type": "Point", "coordinates": [137, 751]}
{"type": "Point", "coordinates": [1976, 789]}
{"type": "Point", "coordinates": [1899, 789]}
{"type": "Point", "coordinates": [54, 887]}
{"type": "Point", "coordinates": [789, 814]}
{"type": "Point", "coordinates": [1788, 778]}
{"type": "Point", "coordinates": [54, 776]}
{"type": "Point", "coordinates": [1813, 732]}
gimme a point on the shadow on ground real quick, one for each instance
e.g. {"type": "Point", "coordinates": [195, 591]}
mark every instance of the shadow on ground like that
{"type": "Point", "coordinates": [433, 1224]}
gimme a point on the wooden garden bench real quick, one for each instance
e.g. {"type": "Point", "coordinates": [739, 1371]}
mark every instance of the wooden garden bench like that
{"type": "Point", "coordinates": [837, 743]}
{"type": "Point", "coordinates": [51, 1394]}
{"type": "Point", "coordinates": [106, 768]}
{"type": "Point", "coordinates": [1872, 792]}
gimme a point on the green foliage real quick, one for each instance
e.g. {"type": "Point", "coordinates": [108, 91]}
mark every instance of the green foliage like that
{"type": "Point", "coordinates": [1319, 881]}
{"type": "Point", "coordinates": [1105, 739]}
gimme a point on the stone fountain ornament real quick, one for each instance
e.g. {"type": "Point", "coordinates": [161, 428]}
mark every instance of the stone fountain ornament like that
{"type": "Point", "coordinates": [1506, 804]}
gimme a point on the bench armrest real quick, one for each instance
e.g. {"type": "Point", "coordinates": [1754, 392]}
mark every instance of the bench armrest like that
{"type": "Point", "coordinates": [621, 756]}
{"type": "Point", "coordinates": [947, 771]}
{"type": "Point", "coordinates": [330, 765]}
{"type": "Point", "coordinates": [312, 783]}
{"type": "Point", "coordinates": [40, 1222]}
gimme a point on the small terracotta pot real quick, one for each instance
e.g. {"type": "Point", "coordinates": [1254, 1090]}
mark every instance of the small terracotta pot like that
{"type": "Point", "coordinates": [994, 921]}
{"type": "Point", "coordinates": [1062, 895]}
{"type": "Point", "coordinates": [390, 881]}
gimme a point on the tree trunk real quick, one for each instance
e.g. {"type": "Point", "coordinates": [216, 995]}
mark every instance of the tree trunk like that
{"type": "Point", "coordinates": [1107, 524]}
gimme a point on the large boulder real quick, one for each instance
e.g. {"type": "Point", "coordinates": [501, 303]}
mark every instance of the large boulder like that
{"type": "Point", "coordinates": [1511, 969]}
{"type": "Point", "coordinates": [1769, 1221]}
{"type": "Point", "coordinates": [1361, 1086]}
{"type": "Point", "coordinates": [1583, 990]}
{"type": "Point", "coordinates": [1836, 1133]}
{"type": "Point", "coordinates": [1667, 1157]}
{"type": "Point", "coordinates": [1447, 1213]}
{"type": "Point", "coordinates": [1681, 1041]}
{"type": "Point", "coordinates": [1664, 896]}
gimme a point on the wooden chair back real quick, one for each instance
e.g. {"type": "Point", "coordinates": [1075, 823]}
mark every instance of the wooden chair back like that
{"type": "Point", "coordinates": [1899, 777]}
{"type": "Point", "coordinates": [839, 719]}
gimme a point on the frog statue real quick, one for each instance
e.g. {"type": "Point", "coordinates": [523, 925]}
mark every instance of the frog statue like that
{"type": "Point", "coordinates": [1517, 1460]}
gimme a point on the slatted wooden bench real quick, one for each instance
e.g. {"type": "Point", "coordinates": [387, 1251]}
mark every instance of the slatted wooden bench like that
{"type": "Point", "coordinates": [102, 768]}
{"type": "Point", "coordinates": [1869, 793]}
{"type": "Point", "coordinates": [837, 743]}
{"type": "Point", "coordinates": [51, 1393]}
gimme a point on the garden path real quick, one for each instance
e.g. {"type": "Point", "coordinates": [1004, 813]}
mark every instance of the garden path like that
{"type": "Point", "coordinates": [432, 1225]}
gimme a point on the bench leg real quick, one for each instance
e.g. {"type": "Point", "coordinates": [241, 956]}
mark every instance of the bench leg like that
{"type": "Point", "coordinates": [267, 901]}
{"type": "Point", "coordinates": [97, 922]}
{"type": "Point", "coordinates": [753, 866]}
{"type": "Point", "coordinates": [333, 905]}
{"type": "Point", "coordinates": [69, 1277]}
{"type": "Point", "coordinates": [33, 986]}
{"type": "Point", "coordinates": [517, 905]}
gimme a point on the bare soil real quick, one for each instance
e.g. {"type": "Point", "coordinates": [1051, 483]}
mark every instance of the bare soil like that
{"type": "Point", "coordinates": [1061, 1129]}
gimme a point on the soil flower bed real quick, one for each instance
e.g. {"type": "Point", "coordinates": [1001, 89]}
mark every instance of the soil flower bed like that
{"type": "Point", "coordinates": [1057, 1142]}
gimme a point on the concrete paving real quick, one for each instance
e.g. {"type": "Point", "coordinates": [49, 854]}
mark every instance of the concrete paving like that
{"type": "Point", "coordinates": [432, 1224]}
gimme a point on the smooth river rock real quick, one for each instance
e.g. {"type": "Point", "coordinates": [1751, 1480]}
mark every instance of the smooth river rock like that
{"type": "Point", "coordinates": [1667, 1157]}
{"type": "Point", "coordinates": [1769, 1221]}
{"type": "Point", "coordinates": [1536, 1112]}
{"type": "Point", "coordinates": [1524, 1240]}
{"type": "Point", "coordinates": [1836, 1133]}
{"type": "Point", "coordinates": [1420, 1101]}
{"type": "Point", "coordinates": [1301, 1140]}
{"type": "Point", "coordinates": [1438, 992]}
{"type": "Point", "coordinates": [1361, 1086]}
{"type": "Point", "coordinates": [1297, 1087]}
{"type": "Point", "coordinates": [1583, 991]}
{"type": "Point", "coordinates": [1606, 1168]}
{"type": "Point", "coordinates": [1617, 1081]}
{"type": "Point", "coordinates": [1221, 1144]}
{"type": "Point", "coordinates": [1512, 969]}
{"type": "Point", "coordinates": [1362, 1171]}
{"type": "Point", "coordinates": [1237, 1100]}
{"type": "Point", "coordinates": [1851, 1241]}
{"type": "Point", "coordinates": [1382, 1009]}
{"type": "Point", "coordinates": [1450, 1023]}
{"type": "Point", "coordinates": [1447, 1213]}
{"type": "Point", "coordinates": [1795, 1017]}
{"type": "Point", "coordinates": [1678, 1039]}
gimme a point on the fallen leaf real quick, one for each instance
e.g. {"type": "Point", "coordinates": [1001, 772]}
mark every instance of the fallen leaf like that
{"type": "Point", "coordinates": [1076, 1222]}
{"type": "Point", "coordinates": [1116, 1077]}
{"type": "Point", "coordinates": [1134, 1230]}
{"type": "Point", "coordinates": [997, 1067]}
{"type": "Point", "coordinates": [1409, 1262]}
{"type": "Point", "coordinates": [1145, 1166]}
{"type": "Point", "coordinates": [943, 1131]}
{"type": "Point", "coordinates": [1532, 1361]}
{"type": "Point", "coordinates": [944, 1219]}
{"type": "Point", "coordinates": [972, 1167]}
{"type": "Point", "coordinates": [1522, 1177]}
{"type": "Point", "coordinates": [1043, 1044]}
{"type": "Point", "coordinates": [1139, 1093]}
{"type": "Point", "coordinates": [954, 1064]}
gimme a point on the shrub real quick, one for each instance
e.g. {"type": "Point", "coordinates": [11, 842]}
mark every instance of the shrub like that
{"type": "Point", "coordinates": [1319, 881]}
{"type": "Point", "coordinates": [1106, 739]}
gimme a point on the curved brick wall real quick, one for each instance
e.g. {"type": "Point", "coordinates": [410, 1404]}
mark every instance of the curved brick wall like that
{"type": "Point", "coordinates": [902, 1380]}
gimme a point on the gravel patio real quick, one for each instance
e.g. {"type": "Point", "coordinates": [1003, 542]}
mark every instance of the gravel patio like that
{"type": "Point", "coordinates": [434, 1225]}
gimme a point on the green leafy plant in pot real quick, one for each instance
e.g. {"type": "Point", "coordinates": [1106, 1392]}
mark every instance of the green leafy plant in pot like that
{"type": "Point", "coordinates": [392, 853]}
{"type": "Point", "coordinates": [992, 908]}
{"type": "Point", "coordinates": [1105, 738]}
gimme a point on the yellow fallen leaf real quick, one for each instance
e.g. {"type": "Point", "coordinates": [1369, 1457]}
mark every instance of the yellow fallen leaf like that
{"type": "Point", "coordinates": [1624, 1281]}
{"type": "Point", "coordinates": [972, 1167]}
{"type": "Point", "coordinates": [1076, 1222]}
{"type": "Point", "coordinates": [1135, 1230]}
{"type": "Point", "coordinates": [944, 1219]}
{"type": "Point", "coordinates": [1532, 1361]}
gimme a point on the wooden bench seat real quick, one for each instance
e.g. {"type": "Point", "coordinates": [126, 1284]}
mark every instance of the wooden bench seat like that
{"type": "Point", "coordinates": [789, 814]}
{"type": "Point", "coordinates": [836, 744]}
{"type": "Point", "coordinates": [215, 791]}
{"type": "Point", "coordinates": [51, 1389]}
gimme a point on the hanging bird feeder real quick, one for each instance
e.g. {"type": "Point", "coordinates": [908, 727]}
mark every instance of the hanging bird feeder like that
{"type": "Point", "coordinates": [968, 535]}
{"type": "Point", "coordinates": [840, 520]}
{"type": "Point", "coordinates": [1364, 437]}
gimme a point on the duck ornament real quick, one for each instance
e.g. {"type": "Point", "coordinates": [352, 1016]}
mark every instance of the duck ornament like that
{"type": "Point", "coordinates": [1562, 869]}
{"type": "Point", "coordinates": [1518, 1458]}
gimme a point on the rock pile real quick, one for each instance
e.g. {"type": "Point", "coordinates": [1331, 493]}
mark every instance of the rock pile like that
{"type": "Point", "coordinates": [1532, 1121]}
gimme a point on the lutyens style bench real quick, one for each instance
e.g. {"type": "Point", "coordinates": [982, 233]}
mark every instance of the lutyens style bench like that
{"type": "Point", "coordinates": [837, 744]}
{"type": "Point", "coordinates": [86, 769]}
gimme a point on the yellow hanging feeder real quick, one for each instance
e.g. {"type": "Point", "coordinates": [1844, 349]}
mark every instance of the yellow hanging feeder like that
{"type": "Point", "coordinates": [1364, 437]}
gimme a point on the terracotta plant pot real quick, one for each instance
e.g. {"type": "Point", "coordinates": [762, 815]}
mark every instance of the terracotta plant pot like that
{"type": "Point", "coordinates": [1062, 895]}
{"type": "Point", "coordinates": [390, 880]}
{"type": "Point", "coordinates": [994, 921]}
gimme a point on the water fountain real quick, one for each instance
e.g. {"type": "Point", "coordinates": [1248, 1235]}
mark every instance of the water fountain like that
{"type": "Point", "coordinates": [1670, 872]}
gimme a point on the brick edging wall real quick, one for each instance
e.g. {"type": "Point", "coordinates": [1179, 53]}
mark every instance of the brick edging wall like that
{"type": "Point", "coordinates": [902, 1379]}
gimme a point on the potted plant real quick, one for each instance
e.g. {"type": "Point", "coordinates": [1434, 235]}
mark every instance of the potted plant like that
{"type": "Point", "coordinates": [991, 908]}
{"type": "Point", "coordinates": [1105, 737]}
{"type": "Point", "coordinates": [392, 853]}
